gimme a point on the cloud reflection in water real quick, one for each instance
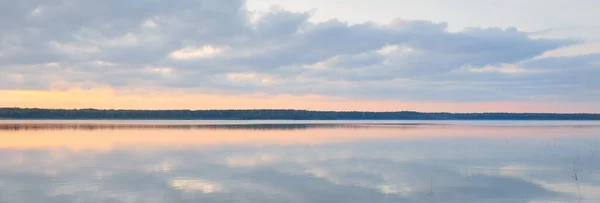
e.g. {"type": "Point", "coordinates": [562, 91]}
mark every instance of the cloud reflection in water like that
{"type": "Point", "coordinates": [312, 163]}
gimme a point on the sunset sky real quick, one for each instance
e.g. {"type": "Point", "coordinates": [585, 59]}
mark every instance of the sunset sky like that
{"type": "Point", "coordinates": [381, 55]}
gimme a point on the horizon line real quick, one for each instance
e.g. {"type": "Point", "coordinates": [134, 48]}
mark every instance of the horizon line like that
{"type": "Point", "coordinates": [306, 110]}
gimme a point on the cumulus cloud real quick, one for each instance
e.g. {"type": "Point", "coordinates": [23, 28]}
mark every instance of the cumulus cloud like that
{"type": "Point", "coordinates": [219, 46]}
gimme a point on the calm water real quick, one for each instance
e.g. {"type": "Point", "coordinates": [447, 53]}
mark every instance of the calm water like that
{"type": "Point", "coordinates": [294, 161]}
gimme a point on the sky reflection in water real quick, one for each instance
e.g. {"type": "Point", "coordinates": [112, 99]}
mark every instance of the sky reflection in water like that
{"type": "Point", "coordinates": [294, 162]}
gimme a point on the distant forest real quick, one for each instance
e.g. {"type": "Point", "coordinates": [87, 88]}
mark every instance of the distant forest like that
{"type": "Point", "coordinates": [265, 114]}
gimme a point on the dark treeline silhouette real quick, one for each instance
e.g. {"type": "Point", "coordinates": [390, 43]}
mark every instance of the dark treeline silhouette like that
{"type": "Point", "coordinates": [108, 126]}
{"type": "Point", "coordinates": [265, 114]}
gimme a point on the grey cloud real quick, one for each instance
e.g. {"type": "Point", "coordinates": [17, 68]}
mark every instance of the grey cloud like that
{"type": "Point", "coordinates": [489, 46]}
{"type": "Point", "coordinates": [280, 24]}
{"type": "Point", "coordinates": [135, 37]}
{"type": "Point", "coordinates": [566, 62]}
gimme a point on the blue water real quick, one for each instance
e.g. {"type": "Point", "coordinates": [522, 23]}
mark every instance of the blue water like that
{"type": "Point", "coordinates": [300, 161]}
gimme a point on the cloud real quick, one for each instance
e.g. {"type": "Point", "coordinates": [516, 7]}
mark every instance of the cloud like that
{"type": "Point", "coordinates": [191, 53]}
{"type": "Point", "coordinates": [210, 46]}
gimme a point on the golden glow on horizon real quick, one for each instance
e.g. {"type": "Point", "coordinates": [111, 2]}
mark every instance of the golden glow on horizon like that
{"type": "Point", "coordinates": [130, 138]}
{"type": "Point", "coordinates": [108, 98]}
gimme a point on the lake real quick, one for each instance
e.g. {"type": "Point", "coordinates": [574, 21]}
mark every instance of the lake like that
{"type": "Point", "coordinates": [300, 161]}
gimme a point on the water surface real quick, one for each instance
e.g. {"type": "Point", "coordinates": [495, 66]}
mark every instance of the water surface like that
{"type": "Point", "coordinates": [300, 161]}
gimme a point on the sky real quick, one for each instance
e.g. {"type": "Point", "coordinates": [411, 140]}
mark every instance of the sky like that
{"type": "Point", "coordinates": [376, 55]}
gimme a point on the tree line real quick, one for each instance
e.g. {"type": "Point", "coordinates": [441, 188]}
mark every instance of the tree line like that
{"type": "Point", "coordinates": [270, 114]}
